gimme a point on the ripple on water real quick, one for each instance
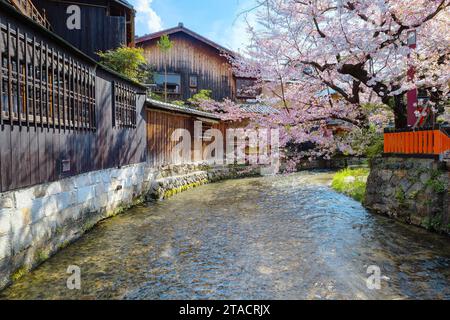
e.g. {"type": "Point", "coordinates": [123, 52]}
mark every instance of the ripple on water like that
{"type": "Point", "coordinates": [284, 237]}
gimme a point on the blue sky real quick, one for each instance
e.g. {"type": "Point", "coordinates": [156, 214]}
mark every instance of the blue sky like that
{"type": "Point", "coordinates": [217, 20]}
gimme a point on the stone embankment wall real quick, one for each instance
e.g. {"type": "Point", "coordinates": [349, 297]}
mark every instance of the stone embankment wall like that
{"type": "Point", "coordinates": [37, 222]}
{"type": "Point", "coordinates": [416, 191]}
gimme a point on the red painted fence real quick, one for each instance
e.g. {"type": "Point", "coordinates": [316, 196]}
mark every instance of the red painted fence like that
{"type": "Point", "coordinates": [421, 142]}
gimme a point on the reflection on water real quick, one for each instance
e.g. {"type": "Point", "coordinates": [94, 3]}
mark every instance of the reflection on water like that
{"type": "Point", "coordinates": [284, 237]}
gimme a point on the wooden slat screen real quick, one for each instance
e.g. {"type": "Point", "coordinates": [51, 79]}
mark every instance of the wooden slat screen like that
{"type": "Point", "coordinates": [42, 86]}
{"type": "Point", "coordinates": [124, 110]}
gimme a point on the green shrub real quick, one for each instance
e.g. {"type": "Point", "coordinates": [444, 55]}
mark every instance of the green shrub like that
{"type": "Point", "coordinates": [368, 142]}
{"type": "Point", "coordinates": [129, 62]}
{"type": "Point", "coordinates": [199, 97]}
{"type": "Point", "coordinates": [351, 182]}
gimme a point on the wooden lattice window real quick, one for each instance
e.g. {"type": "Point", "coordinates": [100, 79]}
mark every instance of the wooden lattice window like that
{"type": "Point", "coordinates": [124, 111]}
{"type": "Point", "coordinates": [42, 86]}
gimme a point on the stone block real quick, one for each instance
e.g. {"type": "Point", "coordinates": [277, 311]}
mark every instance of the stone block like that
{"type": "Point", "coordinates": [20, 219]}
{"type": "Point", "coordinates": [5, 221]}
{"type": "Point", "coordinates": [53, 188]}
{"type": "Point", "coordinates": [414, 191]}
{"type": "Point", "coordinates": [43, 230]}
{"type": "Point", "coordinates": [106, 177]}
{"type": "Point", "coordinates": [67, 185]}
{"type": "Point", "coordinates": [82, 181]}
{"type": "Point", "coordinates": [70, 214]}
{"type": "Point", "coordinates": [100, 189]}
{"type": "Point", "coordinates": [85, 194]}
{"type": "Point", "coordinates": [43, 207]}
{"type": "Point", "coordinates": [21, 239]}
{"type": "Point", "coordinates": [24, 198]}
{"type": "Point", "coordinates": [65, 200]}
{"type": "Point", "coordinates": [5, 247]}
{"type": "Point", "coordinates": [425, 177]}
{"type": "Point", "coordinates": [7, 200]}
{"type": "Point", "coordinates": [101, 201]}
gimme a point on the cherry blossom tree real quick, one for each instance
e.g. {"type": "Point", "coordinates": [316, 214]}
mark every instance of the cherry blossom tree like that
{"type": "Point", "coordinates": [323, 60]}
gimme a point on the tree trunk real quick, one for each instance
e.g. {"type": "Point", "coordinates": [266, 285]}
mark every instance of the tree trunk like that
{"type": "Point", "coordinates": [400, 111]}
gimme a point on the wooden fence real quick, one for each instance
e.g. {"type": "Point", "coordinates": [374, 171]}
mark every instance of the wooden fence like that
{"type": "Point", "coordinates": [418, 142]}
{"type": "Point", "coordinates": [160, 127]}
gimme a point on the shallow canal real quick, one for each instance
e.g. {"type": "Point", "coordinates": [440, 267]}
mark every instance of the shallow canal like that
{"type": "Point", "coordinates": [285, 237]}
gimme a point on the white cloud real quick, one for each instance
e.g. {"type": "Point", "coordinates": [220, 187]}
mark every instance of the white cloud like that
{"type": "Point", "coordinates": [237, 36]}
{"type": "Point", "coordinates": [147, 15]}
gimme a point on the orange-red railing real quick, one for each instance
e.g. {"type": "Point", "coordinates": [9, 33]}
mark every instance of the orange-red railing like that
{"type": "Point", "coordinates": [428, 142]}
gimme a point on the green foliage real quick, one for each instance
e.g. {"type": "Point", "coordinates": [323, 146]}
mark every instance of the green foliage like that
{"type": "Point", "coordinates": [376, 148]}
{"type": "Point", "coordinates": [156, 96]}
{"type": "Point", "coordinates": [129, 62]}
{"type": "Point", "coordinates": [19, 273]}
{"type": "Point", "coordinates": [42, 255]}
{"type": "Point", "coordinates": [435, 224]}
{"type": "Point", "coordinates": [351, 182]}
{"type": "Point", "coordinates": [437, 185]}
{"type": "Point", "coordinates": [164, 43]}
{"type": "Point", "coordinates": [368, 142]}
{"type": "Point", "coordinates": [400, 196]}
{"type": "Point", "coordinates": [200, 96]}
{"type": "Point", "coordinates": [178, 103]}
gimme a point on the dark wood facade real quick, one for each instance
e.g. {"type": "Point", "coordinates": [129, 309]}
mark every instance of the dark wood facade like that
{"type": "Point", "coordinates": [200, 63]}
{"type": "Point", "coordinates": [105, 24]}
{"type": "Point", "coordinates": [60, 112]}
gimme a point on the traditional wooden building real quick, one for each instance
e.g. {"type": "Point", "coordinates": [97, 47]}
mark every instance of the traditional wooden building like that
{"type": "Point", "coordinates": [193, 64]}
{"type": "Point", "coordinates": [61, 113]}
{"type": "Point", "coordinates": [90, 26]}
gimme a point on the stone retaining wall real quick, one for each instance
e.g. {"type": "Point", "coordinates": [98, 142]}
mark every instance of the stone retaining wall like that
{"type": "Point", "coordinates": [37, 222]}
{"type": "Point", "coordinates": [411, 190]}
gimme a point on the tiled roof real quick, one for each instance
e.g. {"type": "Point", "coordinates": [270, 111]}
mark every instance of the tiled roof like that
{"type": "Point", "coordinates": [182, 28]}
{"type": "Point", "coordinates": [181, 109]}
{"type": "Point", "coordinates": [258, 108]}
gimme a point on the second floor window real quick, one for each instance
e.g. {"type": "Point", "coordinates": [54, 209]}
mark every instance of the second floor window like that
{"type": "Point", "coordinates": [173, 81]}
{"type": "Point", "coordinates": [124, 112]}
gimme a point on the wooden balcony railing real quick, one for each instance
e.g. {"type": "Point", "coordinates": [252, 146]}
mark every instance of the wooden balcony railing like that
{"type": "Point", "coordinates": [434, 141]}
{"type": "Point", "coordinates": [27, 8]}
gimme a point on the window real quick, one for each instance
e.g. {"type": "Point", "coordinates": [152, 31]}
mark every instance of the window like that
{"type": "Point", "coordinates": [42, 86]}
{"type": "Point", "coordinates": [173, 83]}
{"type": "Point", "coordinates": [245, 88]}
{"type": "Point", "coordinates": [193, 81]}
{"type": "Point", "coordinates": [124, 111]}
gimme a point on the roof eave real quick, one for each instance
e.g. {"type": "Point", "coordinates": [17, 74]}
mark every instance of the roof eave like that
{"type": "Point", "coordinates": [177, 109]}
{"type": "Point", "coordinates": [193, 34]}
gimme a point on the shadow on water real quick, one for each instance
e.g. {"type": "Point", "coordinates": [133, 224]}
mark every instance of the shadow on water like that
{"type": "Point", "coordinates": [284, 237]}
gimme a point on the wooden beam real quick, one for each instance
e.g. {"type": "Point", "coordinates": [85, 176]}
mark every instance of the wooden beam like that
{"type": "Point", "coordinates": [10, 100]}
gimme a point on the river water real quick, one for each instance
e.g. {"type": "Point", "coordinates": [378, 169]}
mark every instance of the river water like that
{"type": "Point", "coordinates": [283, 237]}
